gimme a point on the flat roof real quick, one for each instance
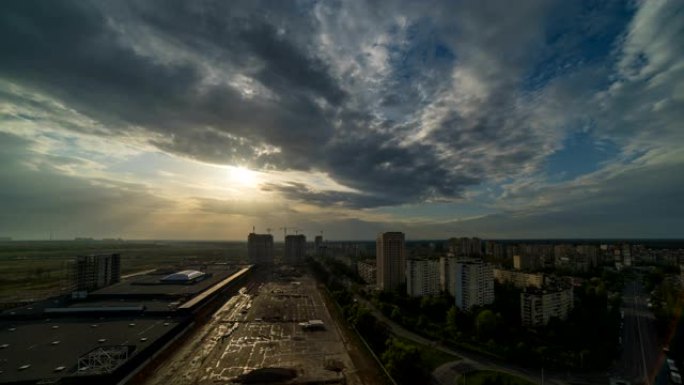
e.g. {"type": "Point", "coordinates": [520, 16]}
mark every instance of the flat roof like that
{"type": "Point", "coordinates": [48, 344]}
{"type": "Point", "coordinates": [151, 285]}
{"type": "Point", "coordinates": [194, 301]}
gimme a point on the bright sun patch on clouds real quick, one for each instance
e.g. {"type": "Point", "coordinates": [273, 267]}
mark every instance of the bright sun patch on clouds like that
{"type": "Point", "coordinates": [243, 176]}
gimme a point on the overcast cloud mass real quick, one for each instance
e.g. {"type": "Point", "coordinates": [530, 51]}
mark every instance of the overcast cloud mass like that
{"type": "Point", "coordinates": [200, 119]}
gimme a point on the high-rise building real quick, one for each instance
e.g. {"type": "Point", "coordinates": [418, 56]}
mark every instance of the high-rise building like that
{"type": "Point", "coordinates": [538, 306]}
{"type": "Point", "coordinates": [260, 248]}
{"type": "Point", "coordinates": [295, 248]}
{"type": "Point", "coordinates": [465, 247]}
{"type": "Point", "coordinates": [422, 277]}
{"type": "Point", "coordinates": [526, 262]}
{"type": "Point", "coordinates": [94, 271]}
{"type": "Point", "coordinates": [444, 274]}
{"type": "Point", "coordinates": [494, 249]}
{"type": "Point", "coordinates": [474, 281]}
{"type": "Point", "coordinates": [390, 256]}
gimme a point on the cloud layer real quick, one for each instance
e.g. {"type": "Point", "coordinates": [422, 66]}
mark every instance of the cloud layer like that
{"type": "Point", "coordinates": [390, 103]}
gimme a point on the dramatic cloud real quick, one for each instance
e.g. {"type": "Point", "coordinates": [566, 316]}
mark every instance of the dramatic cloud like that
{"type": "Point", "coordinates": [537, 111]}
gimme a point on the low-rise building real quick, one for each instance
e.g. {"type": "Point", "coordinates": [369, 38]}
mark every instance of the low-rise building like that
{"type": "Point", "coordinates": [422, 277]}
{"type": "Point", "coordinates": [538, 306]}
{"type": "Point", "coordinates": [518, 278]}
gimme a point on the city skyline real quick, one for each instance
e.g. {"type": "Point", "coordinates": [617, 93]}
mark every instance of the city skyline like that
{"type": "Point", "coordinates": [200, 120]}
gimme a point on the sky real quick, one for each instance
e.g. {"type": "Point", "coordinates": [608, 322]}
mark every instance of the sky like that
{"type": "Point", "coordinates": [201, 119]}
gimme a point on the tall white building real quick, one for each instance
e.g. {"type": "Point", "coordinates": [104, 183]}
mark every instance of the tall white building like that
{"type": "Point", "coordinates": [422, 277]}
{"type": "Point", "coordinates": [538, 306]}
{"type": "Point", "coordinates": [390, 257]}
{"type": "Point", "coordinates": [447, 275]}
{"type": "Point", "coordinates": [474, 281]}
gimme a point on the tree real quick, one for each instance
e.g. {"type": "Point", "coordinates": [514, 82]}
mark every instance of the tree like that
{"type": "Point", "coordinates": [485, 324]}
{"type": "Point", "coordinates": [452, 318]}
{"type": "Point", "coordinates": [404, 363]}
{"type": "Point", "coordinates": [396, 314]}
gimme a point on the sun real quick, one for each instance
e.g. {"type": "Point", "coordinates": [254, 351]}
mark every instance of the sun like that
{"type": "Point", "coordinates": [243, 176]}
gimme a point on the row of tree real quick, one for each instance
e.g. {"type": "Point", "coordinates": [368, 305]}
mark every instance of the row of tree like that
{"type": "Point", "coordinates": [402, 361]}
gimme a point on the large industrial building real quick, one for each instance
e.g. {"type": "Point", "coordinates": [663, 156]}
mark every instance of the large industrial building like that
{"type": "Point", "coordinates": [108, 334]}
{"type": "Point", "coordinates": [295, 249]}
{"type": "Point", "coordinates": [260, 248]}
{"type": "Point", "coordinates": [474, 283]}
{"type": "Point", "coordinates": [390, 254]}
{"type": "Point", "coordinates": [422, 277]}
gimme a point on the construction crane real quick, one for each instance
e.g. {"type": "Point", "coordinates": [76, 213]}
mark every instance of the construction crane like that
{"type": "Point", "coordinates": [297, 230]}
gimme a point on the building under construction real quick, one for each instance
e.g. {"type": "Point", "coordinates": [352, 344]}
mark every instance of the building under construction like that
{"type": "Point", "coordinates": [91, 272]}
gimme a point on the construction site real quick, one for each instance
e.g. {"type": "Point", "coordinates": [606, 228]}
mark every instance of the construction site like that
{"type": "Point", "coordinates": [109, 328]}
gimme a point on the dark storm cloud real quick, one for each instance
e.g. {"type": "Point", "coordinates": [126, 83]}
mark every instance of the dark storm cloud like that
{"type": "Point", "coordinates": [76, 53]}
{"type": "Point", "coordinates": [302, 192]}
{"type": "Point", "coordinates": [67, 50]}
{"type": "Point", "coordinates": [400, 102]}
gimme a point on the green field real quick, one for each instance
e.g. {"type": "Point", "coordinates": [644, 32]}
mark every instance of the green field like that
{"type": "Point", "coordinates": [432, 357]}
{"type": "Point", "coordinates": [34, 270]}
{"type": "Point", "coordinates": [489, 377]}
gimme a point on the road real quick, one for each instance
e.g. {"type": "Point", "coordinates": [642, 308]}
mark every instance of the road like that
{"type": "Point", "coordinates": [641, 359]}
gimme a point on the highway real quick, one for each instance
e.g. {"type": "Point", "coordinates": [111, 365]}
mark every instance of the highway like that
{"type": "Point", "coordinates": [641, 359]}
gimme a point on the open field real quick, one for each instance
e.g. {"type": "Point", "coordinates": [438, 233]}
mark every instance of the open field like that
{"type": "Point", "coordinates": [34, 270]}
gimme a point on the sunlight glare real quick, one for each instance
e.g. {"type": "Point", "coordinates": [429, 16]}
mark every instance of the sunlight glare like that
{"type": "Point", "coordinates": [243, 176]}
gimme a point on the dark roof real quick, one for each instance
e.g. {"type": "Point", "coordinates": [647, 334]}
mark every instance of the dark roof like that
{"type": "Point", "coordinates": [48, 344]}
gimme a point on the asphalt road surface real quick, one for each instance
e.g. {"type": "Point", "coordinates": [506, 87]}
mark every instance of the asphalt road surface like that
{"type": "Point", "coordinates": [642, 359]}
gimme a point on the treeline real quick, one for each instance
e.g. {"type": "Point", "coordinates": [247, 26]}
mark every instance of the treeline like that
{"type": "Point", "coordinates": [587, 340]}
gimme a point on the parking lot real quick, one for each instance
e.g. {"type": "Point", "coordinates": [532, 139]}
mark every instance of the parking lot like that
{"type": "Point", "coordinates": [259, 328]}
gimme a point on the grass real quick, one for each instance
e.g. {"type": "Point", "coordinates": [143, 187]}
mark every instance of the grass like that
{"type": "Point", "coordinates": [490, 377]}
{"type": "Point", "coordinates": [432, 357]}
{"type": "Point", "coordinates": [34, 270]}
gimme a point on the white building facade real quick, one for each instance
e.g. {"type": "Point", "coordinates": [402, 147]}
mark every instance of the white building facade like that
{"type": "Point", "coordinates": [474, 283]}
{"type": "Point", "coordinates": [422, 277]}
{"type": "Point", "coordinates": [538, 306]}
